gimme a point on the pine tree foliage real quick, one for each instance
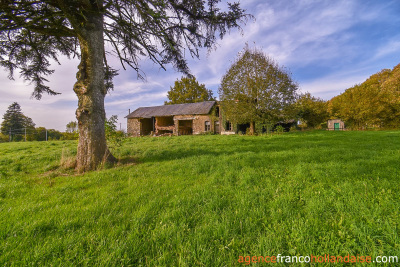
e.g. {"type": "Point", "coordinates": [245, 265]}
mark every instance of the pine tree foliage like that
{"type": "Point", "coordinates": [188, 90]}
{"type": "Point", "coordinates": [34, 32]}
{"type": "Point", "coordinates": [15, 122]}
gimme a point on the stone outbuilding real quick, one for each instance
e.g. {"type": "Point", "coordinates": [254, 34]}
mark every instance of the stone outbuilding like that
{"type": "Point", "coordinates": [179, 119]}
{"type": "Point", "coordinates": [335, 125]}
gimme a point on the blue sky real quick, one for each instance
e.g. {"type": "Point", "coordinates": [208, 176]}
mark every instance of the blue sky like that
{"type": "Point", "coordinates": [328, 46]}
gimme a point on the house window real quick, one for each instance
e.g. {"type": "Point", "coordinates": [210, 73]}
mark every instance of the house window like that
{"type": "Point", "coordinates": [207, 126]}
{"type": "Point", "coordinates": [228, 126]}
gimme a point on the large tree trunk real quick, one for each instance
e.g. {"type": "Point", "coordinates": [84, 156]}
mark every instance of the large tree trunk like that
{"type": "Point", "coordinates": [252, 128]}
{"type": "Point", "coordinates": [90, 89]}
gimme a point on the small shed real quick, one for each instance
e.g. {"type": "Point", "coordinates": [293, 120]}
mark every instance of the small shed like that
{"type": "Point", "coordinates": [335, 125]}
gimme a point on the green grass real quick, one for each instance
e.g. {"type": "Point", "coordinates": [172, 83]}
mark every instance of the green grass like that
{"type": "Point", "coordinates": [203, 200]}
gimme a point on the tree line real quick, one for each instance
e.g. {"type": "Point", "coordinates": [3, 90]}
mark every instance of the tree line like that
{"type": "Point", "coordinates": [16, 126]}
{"type": "Point", "coordinates": [374, 103]}
{"type": "Point", "coordinates": [256, 91]}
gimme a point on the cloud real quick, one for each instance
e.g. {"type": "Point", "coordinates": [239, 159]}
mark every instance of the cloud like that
{"type": "Point", "coordinates": [299, 31]}
{"type": "Point", "coordinates": [387, 49]}
{"type": "Point", "coordinates": [330, 86]}
{"type": "Point", "coordinates": [300, 34]}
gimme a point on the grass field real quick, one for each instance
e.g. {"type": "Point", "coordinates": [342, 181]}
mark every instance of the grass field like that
{"type": "Point", "coordinates": [203, 200]}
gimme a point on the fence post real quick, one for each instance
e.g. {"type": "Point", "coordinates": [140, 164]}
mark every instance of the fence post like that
{"type": "Point", "coordinates": [25, 134]}
{"type": "Point", "coordinates": [10, 135]}
{"type": "Point", "coordinates": [46, 134]}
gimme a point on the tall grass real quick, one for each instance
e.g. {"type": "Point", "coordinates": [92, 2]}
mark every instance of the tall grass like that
{"type": "Point", "coordinates": [203, 200]}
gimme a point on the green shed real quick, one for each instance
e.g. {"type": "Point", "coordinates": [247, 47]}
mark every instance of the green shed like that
{"type": "Point", "coordinates": [336, 125]}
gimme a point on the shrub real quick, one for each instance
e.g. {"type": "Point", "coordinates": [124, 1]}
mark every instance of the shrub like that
{"type": "Point", "coordinates": [279, 129]}
{"type": "Point", "coordinates": [4, 138]}
{"type": "Point", "coordinates": [114, 137]}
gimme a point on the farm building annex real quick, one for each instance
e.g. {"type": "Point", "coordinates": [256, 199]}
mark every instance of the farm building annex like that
{"type": "Point", "coordinates": [178, 119]}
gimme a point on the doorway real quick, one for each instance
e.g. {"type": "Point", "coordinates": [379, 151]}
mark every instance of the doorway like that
{"type": "Point", "coordinates": [216, 127]}
{"type": "Point", "coordinates": [185, 127]}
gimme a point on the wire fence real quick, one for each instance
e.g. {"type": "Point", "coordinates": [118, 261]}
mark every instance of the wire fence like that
{"type": "Point", "coordinates": [36, 134]}
{"type": "Point", "coordinates": [44, 134]}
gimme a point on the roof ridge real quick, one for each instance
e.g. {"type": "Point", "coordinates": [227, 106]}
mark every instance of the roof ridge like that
{"type": "Point", "coordinates": [196, 108]}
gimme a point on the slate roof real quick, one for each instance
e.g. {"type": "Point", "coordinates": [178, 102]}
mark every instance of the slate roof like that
{"type": "Point", "coordinates": [172, 110]}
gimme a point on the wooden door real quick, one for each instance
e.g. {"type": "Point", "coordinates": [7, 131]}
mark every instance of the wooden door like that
{"type": "Point", "coordinates": [216, 127]}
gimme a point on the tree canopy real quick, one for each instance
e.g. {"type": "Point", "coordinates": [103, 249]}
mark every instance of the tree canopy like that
{"type": "Point", "coordinates": [311, 110]}
{"type": "Point", "coordinates": [256, 89]}
{"type": "Point", "coordinates": [72, 127]}
{"type": "Point", "coordinates": [373, 104]}
{"type": "Point", "coordinates": [34, 32]}
{"type": "Point", "coordinates": [15, 122]}
{"type": "Point", "coordinates": [188, 90]}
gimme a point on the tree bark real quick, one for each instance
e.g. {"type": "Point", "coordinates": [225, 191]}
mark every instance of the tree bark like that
{"type": "Point", "coordinates": [90, 89]}
{"type": "Point", "coordinates": [252, 128]}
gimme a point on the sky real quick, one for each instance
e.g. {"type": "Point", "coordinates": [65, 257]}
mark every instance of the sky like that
{"type": "Point", "coordinates": [328, 46]}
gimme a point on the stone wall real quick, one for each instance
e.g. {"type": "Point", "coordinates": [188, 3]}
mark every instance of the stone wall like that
{"type": "Point", "coordinates": [224, 130]}
{"type": "Point", "coordinates": [170, 124]}
{"type": "Point", "coordinates": [133, 127]}
{"type": "Point", "coordinates": [198, 122]}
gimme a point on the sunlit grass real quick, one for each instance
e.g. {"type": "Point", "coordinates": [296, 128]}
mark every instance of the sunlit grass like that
{"type": "Point", "coordinates": [203, 200]}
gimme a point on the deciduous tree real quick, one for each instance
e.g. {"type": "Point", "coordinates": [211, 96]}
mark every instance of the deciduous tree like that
{"type": "Point", "coordinates": [33, 32]}
{"type": "Point", "coordinates": [256, 89]}
{"type": "Point", "coordinates": [72, 127]}
{"type": "Point", "coordinates": [188, 90]}
{"type": "Point", "coordinates": [311, 110]}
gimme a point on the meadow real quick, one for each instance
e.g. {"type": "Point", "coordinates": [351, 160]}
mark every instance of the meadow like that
{"type": "Point", "coordinates": [202, 200]}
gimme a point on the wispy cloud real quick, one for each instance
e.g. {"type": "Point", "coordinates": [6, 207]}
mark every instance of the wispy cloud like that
{"type": "Point", "coordinates": [390, 48]}
{"type": "Point", "coordinates": [332, 85]}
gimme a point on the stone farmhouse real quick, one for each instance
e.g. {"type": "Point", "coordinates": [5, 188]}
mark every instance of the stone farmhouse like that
{"type": "Point", "coordinates": [179, 119]}
{"type": "Point", "coordinates": [184, 119]}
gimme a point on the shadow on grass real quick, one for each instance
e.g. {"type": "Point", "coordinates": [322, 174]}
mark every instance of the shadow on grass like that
{"type": "Point", "coordinates": [120, 162]}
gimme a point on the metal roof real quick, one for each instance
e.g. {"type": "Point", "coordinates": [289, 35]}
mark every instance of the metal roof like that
{"type": "Point", "coordinates": [172, 110]}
